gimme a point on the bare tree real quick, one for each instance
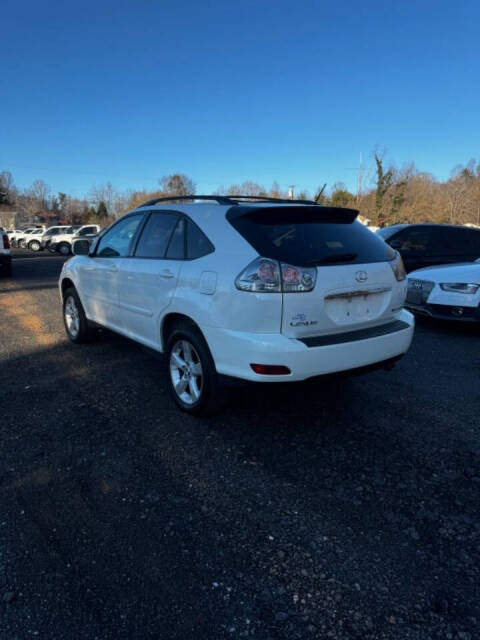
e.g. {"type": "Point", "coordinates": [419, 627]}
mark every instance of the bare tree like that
{"type": "Point", "coordinates": [8, 192]}
{"type": "Point", "coordinates": [177, 184]}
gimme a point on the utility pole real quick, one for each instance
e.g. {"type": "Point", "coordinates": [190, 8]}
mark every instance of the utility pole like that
{"type": "Point", "coordinates": [291, 191]}
{"type": "Point", "coordinates": [360, 171]}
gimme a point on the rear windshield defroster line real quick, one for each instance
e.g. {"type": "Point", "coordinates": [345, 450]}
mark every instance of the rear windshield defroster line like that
{"type": "Point", "coordinates": [309, 236]}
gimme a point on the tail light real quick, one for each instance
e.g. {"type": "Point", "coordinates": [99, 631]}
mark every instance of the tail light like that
{"type": "Point", "coordinates": [398, 268]}
{"type": "Point", "coordinates": [264, 275]}
{"type": "Point", "coordinates": [6, 242]}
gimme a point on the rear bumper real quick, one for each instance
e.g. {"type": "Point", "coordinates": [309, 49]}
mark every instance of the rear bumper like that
{"type": "Point", "coordinates": [234, 352]}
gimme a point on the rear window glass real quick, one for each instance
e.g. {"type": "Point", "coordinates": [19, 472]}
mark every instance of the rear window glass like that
{"type": "Point", "coordinates": [310, 238]}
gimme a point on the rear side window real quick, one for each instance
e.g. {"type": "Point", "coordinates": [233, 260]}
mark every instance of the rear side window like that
{"type": "Point", "coordinates": [308, 236]}
{"type": "Point", "coordinates": [156, 235]}
{"type": "Point", "coordinates": [198, 244]}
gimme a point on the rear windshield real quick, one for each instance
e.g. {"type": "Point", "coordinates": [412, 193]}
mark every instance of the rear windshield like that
{"type": "Point", "coordinates": [302, 239]}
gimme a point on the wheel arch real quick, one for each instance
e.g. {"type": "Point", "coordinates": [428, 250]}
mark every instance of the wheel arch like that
{"type": "Point", "coordinates": [67, 283]}
{"type": "Point", "coordinates": [169, 321]}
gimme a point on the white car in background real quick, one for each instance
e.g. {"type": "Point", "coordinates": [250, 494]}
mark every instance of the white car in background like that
{"type": "Point", "coordinates": [265, 290]}
{"type": "Point", "coordinates": [49, 236]}
{"type": "Point", "coordinates": [62, 243]}
{"type": "Point", "coordinates": [32, 233]}
{"type": "Point", "coordinates": [450, 292]}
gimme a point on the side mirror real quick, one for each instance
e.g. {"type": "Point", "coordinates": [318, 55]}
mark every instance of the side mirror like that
{"type": "Point", "coordinates": [81, 248]}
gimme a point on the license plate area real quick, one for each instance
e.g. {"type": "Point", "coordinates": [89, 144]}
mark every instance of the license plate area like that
{"type": "Point", "coordinates": [356, 306]}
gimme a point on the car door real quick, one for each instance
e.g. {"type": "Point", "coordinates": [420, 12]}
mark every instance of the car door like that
{"type": "Point", "coordinates": [98, 275]}
{"type": "Point", "coordinates": [148, 279]}
{"type": "Point", "coordinates": [413, 244]}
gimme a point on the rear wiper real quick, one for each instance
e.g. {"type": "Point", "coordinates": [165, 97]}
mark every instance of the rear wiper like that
{"type": "Point", "coordinates": [339, 257]}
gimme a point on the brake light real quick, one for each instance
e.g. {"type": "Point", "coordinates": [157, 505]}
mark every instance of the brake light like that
{"type": "Point", "coordinates": [398, 268]}
{"type": "Point", "coordinates": [6, 242]}
{"type": "Point", "coordinates": [265, 275]}
{"type": "Point", "coordinates": [271, 369]}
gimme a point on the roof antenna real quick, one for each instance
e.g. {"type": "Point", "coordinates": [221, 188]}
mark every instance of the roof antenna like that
{"type": "Point", "coordinates": [319, 194]}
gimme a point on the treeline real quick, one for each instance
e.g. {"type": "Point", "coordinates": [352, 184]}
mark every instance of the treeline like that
{"type": "Point", "coordinates": [393, 195]}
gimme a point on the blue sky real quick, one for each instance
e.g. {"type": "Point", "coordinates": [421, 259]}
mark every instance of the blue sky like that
{"type": "Point", "coordinates": [223, 91]}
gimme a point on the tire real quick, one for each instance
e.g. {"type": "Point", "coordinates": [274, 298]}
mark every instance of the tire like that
{"type": "Point", "coordinates": [192, 379]}
{"type": "Point", "coordinates": [52, 248]}
{"type": "Point", "coordinates": [74, 318]}
{"type": "Point", "coordinates": [64, 249]}
{"type": "Point", "coordinates": [34, 245]}
{"type": "Point", "coordinates": [21, 244]}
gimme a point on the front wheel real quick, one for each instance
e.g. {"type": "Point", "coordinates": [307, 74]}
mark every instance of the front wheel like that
{"type": "Point", "coordinates": [192, 378]}
{"type": "Point", "coordinates": [34, 245]}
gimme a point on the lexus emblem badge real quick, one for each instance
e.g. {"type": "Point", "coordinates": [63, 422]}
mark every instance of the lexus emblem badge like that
{"type": "Point", "coordinates": [361, 276]}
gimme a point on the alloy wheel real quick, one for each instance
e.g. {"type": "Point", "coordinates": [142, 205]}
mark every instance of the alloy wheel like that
{"type": "Point", "coordinates": [186, 372]}
{"type": "Point", "coordinates": [72, 318]}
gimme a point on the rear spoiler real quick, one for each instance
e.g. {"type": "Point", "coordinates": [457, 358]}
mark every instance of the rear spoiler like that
{"type": "Point", "coordinates": [287, 214]}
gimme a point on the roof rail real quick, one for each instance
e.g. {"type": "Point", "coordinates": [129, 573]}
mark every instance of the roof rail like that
{"type": "Point", "coordinates": [219, 199]}
{"type": "Point", "coordinates": [228, 200]}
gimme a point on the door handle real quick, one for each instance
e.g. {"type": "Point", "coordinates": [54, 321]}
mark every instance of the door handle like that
{"type": "Point", "coordinates": [166, 273]}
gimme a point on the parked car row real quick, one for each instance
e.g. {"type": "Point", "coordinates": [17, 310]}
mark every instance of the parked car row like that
{"type": "Point", "coordinates": [55, 239]}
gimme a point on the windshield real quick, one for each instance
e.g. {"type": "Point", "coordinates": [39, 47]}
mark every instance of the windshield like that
{"type": "Point", "coordinates": [308, 240]}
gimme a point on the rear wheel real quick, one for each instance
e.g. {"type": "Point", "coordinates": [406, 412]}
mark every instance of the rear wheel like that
{"type": "Point", "coordinates": [34, 245]}
{"type": "Point", "coordinates": [63, 249]}
{"type": "Point", "coordinates": [74, 318]}
{"type": "Point", "coordinates": [192, 378]}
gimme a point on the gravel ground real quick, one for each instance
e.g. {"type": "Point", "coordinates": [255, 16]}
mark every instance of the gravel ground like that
{"type": "Point", "coordinates": [335, 509]}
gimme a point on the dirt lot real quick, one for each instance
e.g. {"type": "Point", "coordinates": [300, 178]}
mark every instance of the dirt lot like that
{"type": "Point", "coordinates": [339, 509]}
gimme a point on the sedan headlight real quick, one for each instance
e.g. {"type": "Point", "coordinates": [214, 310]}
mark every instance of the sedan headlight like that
{"type": "Point", "coordinates": [460, 287]}
{"type": "Point", "coordinates": [398, 268]}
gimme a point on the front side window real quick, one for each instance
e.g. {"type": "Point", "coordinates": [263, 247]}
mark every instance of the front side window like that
{"type": "Point", "coordinates": [117, 241]}
{"type": "Point", "coordinates": [156, 235]}
{"type": "Point", "coordinates": [415, 239]}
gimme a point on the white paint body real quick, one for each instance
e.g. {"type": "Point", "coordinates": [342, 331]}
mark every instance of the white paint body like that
{"type": "Point", "coordinates": [134, 296]}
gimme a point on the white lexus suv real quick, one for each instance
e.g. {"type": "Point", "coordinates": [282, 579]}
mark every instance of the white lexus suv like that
{"type": "Point", "coordinates": [234, 287]}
